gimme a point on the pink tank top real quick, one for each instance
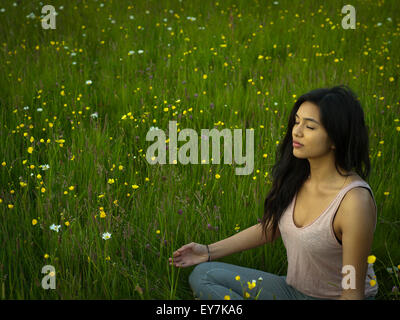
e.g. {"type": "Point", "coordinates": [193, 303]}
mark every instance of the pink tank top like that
{"type": "Point", "coordinates": [315, 255]}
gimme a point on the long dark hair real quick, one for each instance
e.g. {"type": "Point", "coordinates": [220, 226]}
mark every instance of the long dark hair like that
{"type": "Point", "coordinates": [343, 118]}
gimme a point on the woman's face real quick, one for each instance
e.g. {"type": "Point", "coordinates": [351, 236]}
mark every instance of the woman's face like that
{"type": "Point", "coordinates": [309, 131]}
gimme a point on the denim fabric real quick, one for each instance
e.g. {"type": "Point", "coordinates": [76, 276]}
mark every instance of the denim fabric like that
{"type": "Point", "coordinates": [215, 280]}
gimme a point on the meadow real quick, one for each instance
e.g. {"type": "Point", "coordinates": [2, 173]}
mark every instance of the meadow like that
{"type": "Point", "coordinates": [76, 103]}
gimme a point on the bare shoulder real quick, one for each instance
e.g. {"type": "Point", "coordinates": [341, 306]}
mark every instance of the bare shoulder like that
{"type": "Point", "coordinates": [357, 205]}
{"type": "Point", "coordinates": [360, 197]}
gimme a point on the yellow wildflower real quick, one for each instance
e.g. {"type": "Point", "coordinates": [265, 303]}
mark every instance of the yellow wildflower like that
{"type": "Point", "coordinates": [372, 282]}
{"type": "Point", "coordinates": [371, 259]}
{"type": "Point", "coordinates": [251, 285]}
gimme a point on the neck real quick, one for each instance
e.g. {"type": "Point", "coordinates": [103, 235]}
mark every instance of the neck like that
{"type": "Point", "coordinates": [321, 176]}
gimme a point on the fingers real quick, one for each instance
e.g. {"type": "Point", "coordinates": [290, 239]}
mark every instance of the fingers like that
{"type": "Point", "coordinates": [182, 249]}
{"type": "Point", "coordinates": [176, 254]}
{"type": "Point", "coordinates": [179, 262]}
{"type": "Point", "coordinates": [185, 247]}
{"type": "Point", "coordinates": [177, 259]}
{"type": "Point", "coordinates": [174, 260]}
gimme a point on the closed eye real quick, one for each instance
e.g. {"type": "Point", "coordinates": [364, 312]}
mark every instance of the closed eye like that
{"type": "Point", "coordinates": [307, 127]}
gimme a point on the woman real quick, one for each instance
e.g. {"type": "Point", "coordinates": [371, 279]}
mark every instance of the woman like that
{"type": "Point", "coordinates": [324, 211]}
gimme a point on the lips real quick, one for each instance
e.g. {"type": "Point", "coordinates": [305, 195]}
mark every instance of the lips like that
{"type": "Point", "coordinates": [294, 141]}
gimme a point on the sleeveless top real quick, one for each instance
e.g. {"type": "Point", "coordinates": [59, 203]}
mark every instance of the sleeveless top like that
{"type": "Point", "coordinates": [315, 255]}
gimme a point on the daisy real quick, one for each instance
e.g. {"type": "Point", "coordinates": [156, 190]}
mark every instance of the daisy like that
{"type": "Point", "coordinates": [88, 82]}
{"type": "Point", "coordinates": [55, 228]}
{"type": "Point", "coordinates": [45, 167]}
{"type": "Point", "coordinates": [106, 235]}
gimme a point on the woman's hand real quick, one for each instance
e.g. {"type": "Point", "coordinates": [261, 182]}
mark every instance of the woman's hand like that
{"type": "Point", "coordinates": [189, 255]}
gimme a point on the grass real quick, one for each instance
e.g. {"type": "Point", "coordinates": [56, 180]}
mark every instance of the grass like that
{"type": "Point", "coordinates": [239, 64]}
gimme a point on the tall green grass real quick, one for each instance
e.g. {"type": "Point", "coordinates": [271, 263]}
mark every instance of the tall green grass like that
{"type": "Point", "coordinates": [258, 57]}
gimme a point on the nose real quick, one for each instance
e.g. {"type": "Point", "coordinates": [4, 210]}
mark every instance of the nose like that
{"type": "Point", "coordinates": [297, 130]}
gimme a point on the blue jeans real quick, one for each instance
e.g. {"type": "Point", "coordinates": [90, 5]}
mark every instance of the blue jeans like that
{"type": "Point", "coordinates": [216, 280]}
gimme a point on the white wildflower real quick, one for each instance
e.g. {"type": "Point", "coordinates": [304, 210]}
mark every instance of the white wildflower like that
{"type": "Point", "coordinates": [106, 235]}
{"type": "Point", "coordinates": [55, 228]}
{"type": "Point", "coordinates": [45, 167]}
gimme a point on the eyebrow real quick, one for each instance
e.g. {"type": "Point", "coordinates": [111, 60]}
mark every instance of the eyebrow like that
{"type": "Point", "coordinates": [310, 119]}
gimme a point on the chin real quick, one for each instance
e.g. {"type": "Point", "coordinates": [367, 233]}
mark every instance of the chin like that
{"type": "Point", "coordinates": [298, 154]}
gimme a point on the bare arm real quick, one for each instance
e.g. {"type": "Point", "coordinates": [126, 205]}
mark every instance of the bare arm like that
{"type": "Point", "coordinates": [249, 238]}
{"type": "Point", "coordinates": [358, 220]}
{"type": "Point", "coordinates": [195, 253]}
